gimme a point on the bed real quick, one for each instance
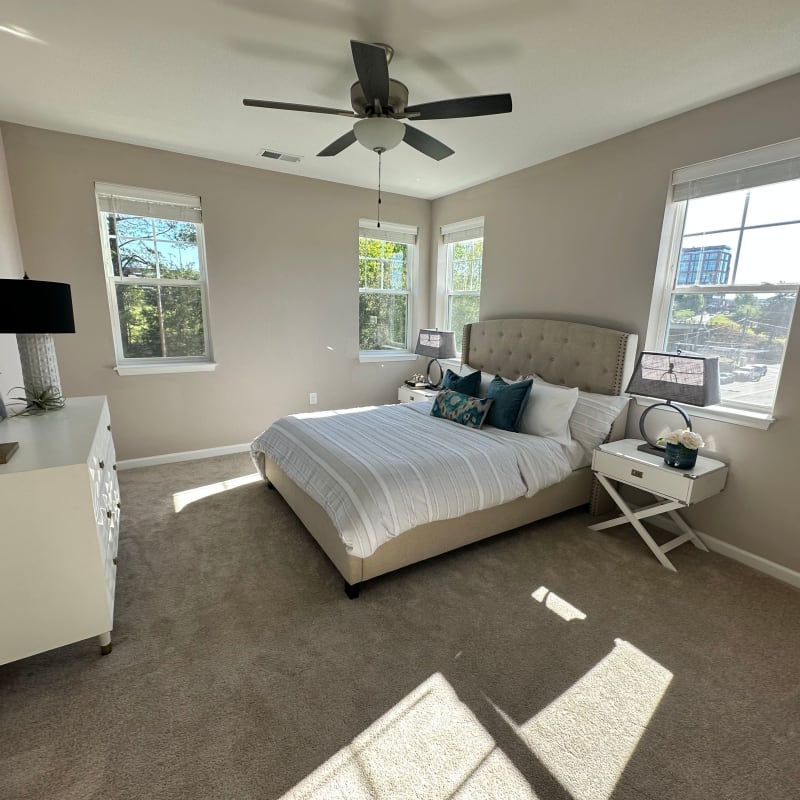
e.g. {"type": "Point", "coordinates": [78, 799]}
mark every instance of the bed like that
{"type": "Point", "coordinates": [598, 361]}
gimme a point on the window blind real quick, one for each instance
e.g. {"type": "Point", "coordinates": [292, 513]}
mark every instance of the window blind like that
{"type": "Point", "coordinates": [773, 164]}
{"type": "Point", "coordinates": [388, 232]}
{"type": "Point", "coordinates": [148, 203]}
{"type": "Point", "coordinates": [462, 231]}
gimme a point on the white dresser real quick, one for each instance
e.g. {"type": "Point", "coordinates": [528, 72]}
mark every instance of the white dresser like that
{"type": "Point", "coordinates": [59, 529]}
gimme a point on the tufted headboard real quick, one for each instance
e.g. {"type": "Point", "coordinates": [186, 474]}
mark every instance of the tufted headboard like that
{"type": "Point", "coordinates": [570, 353]}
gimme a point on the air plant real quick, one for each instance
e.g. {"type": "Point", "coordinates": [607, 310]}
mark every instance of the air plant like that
{"type": "Point", "coordinates": [38, 400]}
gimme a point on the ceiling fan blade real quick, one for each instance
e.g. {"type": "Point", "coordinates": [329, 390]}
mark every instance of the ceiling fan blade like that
{"type": "Point", "coordinates": [372, 70]}
{"type": "Point", "coordinates": [462, 107]}
{"type": "Point", "coordinates": [297, 107]}
{"type": "Point", "coordinates": [426, 144]}
{"type": "Point", "coordinates": [334, 148]}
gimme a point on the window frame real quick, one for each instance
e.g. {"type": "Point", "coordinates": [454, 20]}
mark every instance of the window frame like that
{"type": "Point", "coordinates": [450, 235]}
{"type": "Point", "coordinates": [395, 233]}
{"type": "Point", "coordinates": [687, 183]}
{"type": "Point", "coordinates": [126, 365]}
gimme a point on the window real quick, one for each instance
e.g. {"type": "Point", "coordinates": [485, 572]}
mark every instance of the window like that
{"type": "Point", "coordinates": [463, 256]}
{"type": "Point", "coordinates": [385, 264]}
{"type": "Point", "coordinates": [156, 276]}
{"type": "Point", "coordinates": [729, 269]}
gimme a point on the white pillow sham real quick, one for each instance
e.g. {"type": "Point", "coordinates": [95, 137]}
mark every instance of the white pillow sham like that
{"type": "Point", "coordinates": [547, 412]}
{"type": "Point", "coordinates": [592, 415]}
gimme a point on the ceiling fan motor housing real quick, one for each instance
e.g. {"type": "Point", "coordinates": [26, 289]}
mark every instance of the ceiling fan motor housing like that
{"type": "Point", "coordinates": [398, 100]}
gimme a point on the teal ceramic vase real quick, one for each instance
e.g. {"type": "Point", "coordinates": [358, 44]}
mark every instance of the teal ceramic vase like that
{"type": "Point", "coordinates": [680, 457]}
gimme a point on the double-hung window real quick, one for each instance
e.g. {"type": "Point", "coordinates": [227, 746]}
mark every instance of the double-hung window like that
{"type": "Point", "coordinates": [155, 269]}
{"type": "Point", "coordinates": [386, 258]}
{"type": "Point", "coordinates": [729, 269]}
{"type": "Point", "coordinates": [462, 245]}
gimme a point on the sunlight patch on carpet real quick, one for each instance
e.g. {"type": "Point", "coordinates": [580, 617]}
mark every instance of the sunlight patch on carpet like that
{"type": "Point", "coordinates": [587, 736]}
{"type": "Point", "coordinates": [189, 496]}
{"type": "Point", "coordinates": [429, 745]}
{"type": "Point", "coordinates": [557, 604]}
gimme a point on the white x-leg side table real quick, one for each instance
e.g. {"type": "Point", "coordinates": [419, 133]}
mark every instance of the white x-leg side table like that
{"type": "Point", "coordinates": [621, 461]}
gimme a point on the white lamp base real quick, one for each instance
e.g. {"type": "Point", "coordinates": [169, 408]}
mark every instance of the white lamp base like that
{"type": "Point", "coordinates": [37, 356]}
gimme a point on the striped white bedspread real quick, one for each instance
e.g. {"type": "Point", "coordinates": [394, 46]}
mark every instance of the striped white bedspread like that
{"type": "Point", "coordinates": [383, 470]}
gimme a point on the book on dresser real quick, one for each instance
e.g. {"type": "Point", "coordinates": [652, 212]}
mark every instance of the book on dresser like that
{"type": "Point", "coordinates": [60, 506]}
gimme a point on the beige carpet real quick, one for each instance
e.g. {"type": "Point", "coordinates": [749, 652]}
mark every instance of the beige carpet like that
{"type": "Point", "coordinates": [550, 662]}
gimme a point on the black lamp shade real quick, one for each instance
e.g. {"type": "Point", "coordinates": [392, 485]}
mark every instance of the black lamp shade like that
{"type": "Point", "coordinates": [28, 306]}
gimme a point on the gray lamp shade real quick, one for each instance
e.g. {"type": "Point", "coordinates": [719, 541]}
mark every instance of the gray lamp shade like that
{"type": "Point", "coordinates": [436, 344]}
{"type": "Point", "coordinates": [677, 378]}
{"type": "Point", "coordinates": [28, 306]}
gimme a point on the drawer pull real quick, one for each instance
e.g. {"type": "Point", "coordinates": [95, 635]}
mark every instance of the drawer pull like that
{"type": "Point", "coordinates": [108, 427]}
{"type": "Point", "coordinates": [115, 561]}
{"type": "Point", "coordinates": [119, 506]}
{"type": "Point", "coordinates": [637, 473]}
{"type": "Point", "coordinates": [102, 464]}
{"type": "Point", "coordinates": [114, 467]}
{"type": "Point", "coordinates": [109, 514]}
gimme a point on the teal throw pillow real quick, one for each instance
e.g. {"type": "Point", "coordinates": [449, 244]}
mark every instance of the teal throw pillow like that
{"type": "Point", "coordinates": [466, 384]}
{"type": "Point", "coordinates": [509, 403]}
{"type": "Point", "coordinates": [461, 408]}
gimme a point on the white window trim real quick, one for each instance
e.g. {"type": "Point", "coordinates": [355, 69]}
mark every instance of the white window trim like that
{"type": "Point", "coordinates": [449, 234]}
{"type": "Point", "coordinates": [402, 234]}
{"type": "Point", "coordinates": [192, 205]}
{"type": "Point", "coordinates": [667, 264]}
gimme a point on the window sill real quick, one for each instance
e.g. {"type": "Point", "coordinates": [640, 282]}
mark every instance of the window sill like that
{"type": "Point", "coordinates": [126, 370]}
{"type": "Point", "coordinates": [736, 416]}
{"type": "Point", "coordinates": [386, 355]}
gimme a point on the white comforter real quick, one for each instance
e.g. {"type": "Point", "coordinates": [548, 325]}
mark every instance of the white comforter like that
{"type": "Point", "coordinates": [383, 470]}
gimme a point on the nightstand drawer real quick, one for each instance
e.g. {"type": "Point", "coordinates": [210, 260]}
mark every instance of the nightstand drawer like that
{"type": "Point", "coordinates": [674, 483]}
{"type": "Point", "coordinates": [623, 461]}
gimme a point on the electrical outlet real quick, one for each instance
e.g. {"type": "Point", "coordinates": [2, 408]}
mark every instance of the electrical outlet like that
{"type": "Point", "coordinates": [312, 398]}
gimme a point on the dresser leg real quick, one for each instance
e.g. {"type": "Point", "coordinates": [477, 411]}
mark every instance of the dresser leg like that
{"type": "Point", "coordinates": [105, 643]}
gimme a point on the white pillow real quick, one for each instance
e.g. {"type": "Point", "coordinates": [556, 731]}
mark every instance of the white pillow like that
{"type": "Point", "coordinates": [486, 379]}
{"type": "Point", "coordinates": [547, 412]}
{"type": "Point", "coordinates": [592, 416]}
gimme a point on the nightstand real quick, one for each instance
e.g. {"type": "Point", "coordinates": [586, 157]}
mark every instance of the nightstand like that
{"type": "Point", "coordinates": [676, 488]}
{"type": "Point", "coordinates": [407, 394]}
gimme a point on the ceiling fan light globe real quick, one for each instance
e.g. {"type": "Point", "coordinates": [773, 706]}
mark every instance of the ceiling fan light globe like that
{"type": "Point", "coordinates": [379, 133]}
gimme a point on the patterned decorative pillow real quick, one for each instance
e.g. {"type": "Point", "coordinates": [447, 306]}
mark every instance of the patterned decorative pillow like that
{"type": "Point", "coordinates": [509, 403]}
{"type": "Point", "coordinates": [466, 384]}
{"type": "Point", "coordinates": [460, 408]}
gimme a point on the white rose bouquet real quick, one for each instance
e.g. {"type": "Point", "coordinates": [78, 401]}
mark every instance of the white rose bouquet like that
{"type": "Point", "coordinates": [689, 439]}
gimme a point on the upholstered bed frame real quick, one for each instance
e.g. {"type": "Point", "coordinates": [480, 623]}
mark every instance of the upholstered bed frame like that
{"type": "Point", "coordinates": [573, 354]}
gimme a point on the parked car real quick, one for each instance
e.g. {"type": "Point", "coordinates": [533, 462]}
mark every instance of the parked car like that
{"type": "Point", "coordinates": [726, 377]}
{"type": "Point", "coordinates": [752, 372]}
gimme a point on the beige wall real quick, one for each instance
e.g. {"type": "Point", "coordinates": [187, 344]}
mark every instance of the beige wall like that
{"type": "Point", "coordinates": [10, 267]}
{"type": "Point", "coordinates": [578, 237]}
{"type": "Point", "coordinates": [283, 283]}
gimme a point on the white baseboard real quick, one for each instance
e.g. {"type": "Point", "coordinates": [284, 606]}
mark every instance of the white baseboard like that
{"type": "Point", "coordinates": [759, 563]}
{"type": "Point", "coordinates": [188, 455]}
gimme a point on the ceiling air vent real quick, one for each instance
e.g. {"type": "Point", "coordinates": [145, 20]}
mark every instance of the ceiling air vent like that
{"type": "Point", "coordinates": [279, 156]}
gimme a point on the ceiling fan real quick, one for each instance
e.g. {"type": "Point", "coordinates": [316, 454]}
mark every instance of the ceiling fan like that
{"type": "Point", "coordinates": [379, 103]}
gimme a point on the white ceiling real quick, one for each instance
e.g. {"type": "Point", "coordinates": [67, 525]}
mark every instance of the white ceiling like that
{"type": "Point", "coordinates": [172, 74]}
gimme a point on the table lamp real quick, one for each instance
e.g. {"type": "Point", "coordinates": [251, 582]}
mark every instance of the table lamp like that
{"type": "Point", "coordinates": [435, 344]}
{"type": "Point", "coordinates": [34, 310]}
{"type": "Point", "coordinates": [676, 378]}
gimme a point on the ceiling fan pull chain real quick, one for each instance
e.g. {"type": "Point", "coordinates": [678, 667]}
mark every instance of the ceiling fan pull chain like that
{"type": "Point", "coordinates": [380, 153]}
